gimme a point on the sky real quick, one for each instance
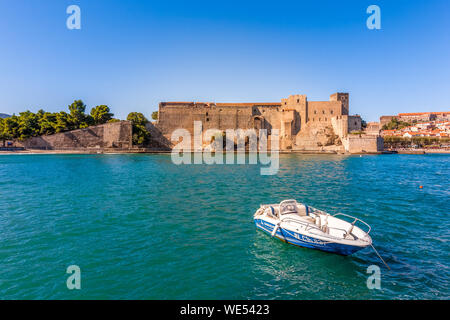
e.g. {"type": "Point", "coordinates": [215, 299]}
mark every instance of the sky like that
{"type": "Point", "coordinates": [131, 55]}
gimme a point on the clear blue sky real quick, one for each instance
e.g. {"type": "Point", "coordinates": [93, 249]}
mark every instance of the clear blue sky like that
{"type": "Point", "coordinates": [131, 55]}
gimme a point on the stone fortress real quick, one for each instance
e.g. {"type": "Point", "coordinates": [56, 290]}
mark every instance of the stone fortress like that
{"type": "Point", "coordinates": [316, 126]}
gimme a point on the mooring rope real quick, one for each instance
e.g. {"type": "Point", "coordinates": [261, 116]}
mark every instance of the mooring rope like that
{"type": "Point", "coordinates": [379, 256]}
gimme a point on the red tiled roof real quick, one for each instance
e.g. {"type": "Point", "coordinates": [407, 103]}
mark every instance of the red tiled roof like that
{"type": "Point", "coordinates": [421, 113]}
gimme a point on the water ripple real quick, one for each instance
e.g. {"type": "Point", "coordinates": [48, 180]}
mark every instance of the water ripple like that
{"type": "Point", "coordinates": [141, 227]}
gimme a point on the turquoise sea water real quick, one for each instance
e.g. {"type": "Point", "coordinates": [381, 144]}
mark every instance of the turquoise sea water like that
{"type": "Point", "coordinates": [141, 227]}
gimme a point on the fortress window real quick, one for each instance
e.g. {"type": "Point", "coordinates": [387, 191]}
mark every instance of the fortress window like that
{"type": "Point", "coordinates": [207, 119]}
{"type": "Point", "coordinates": [323, 111]}
{"type": "Point", "coordinates": [319, 119]}
{"type": "Point", "coordinates": [331, 111]}
{"type": "Point", "coordinates": [298, 100]}
{"type": "Point", "coordinates": [315, 112]}
{"type": "Point", "coordinates": [325, 119]}
{"type": "Point", "coordinates": [206, 113]}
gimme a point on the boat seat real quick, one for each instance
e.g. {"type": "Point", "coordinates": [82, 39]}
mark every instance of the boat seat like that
{"type": "Point", "coordinates": [272, 212]}
{"type": "Point", "coordinates": [301, 210]}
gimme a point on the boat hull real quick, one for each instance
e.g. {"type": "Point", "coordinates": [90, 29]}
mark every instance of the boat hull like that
{"type": "Point", "coordinates": [302, 240]}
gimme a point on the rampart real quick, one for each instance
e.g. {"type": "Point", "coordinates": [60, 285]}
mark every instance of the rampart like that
{"type": "Point", "coordinates": [108, 135]}
{"type": "Point", "coordinates": [363, 143]}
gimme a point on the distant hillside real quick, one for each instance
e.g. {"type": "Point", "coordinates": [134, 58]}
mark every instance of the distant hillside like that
{"type": "Point", "coordinates": [4, 115]}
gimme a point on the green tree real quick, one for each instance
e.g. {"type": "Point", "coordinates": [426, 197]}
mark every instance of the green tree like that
{"type": "Point", "coordinates": [155, 115]}
{"type": "Point", "coordinates": [40, 113]}
{"type": "Point", "coordinates": [2, 132]}
{"type": "Point", "coordinates": [28, 125]}
{"type": "Point", "coordinates": [101, 114]}
{"type": "Point", "coordinates": [140, 134]}
{"type": "Point", "coordinates": [137, 118]}
{"type": "Point", "coordinates": [77, 115]}
{"type": "Point", "coordinates": [11, 127]}
{"type": "Point", "coordinates": [88, 121]}
{"type": "Point", "coordinates": [63, 122]}
{"type": "Point", "coordinates": [395, 124]}
{"type": "Point", "coordinates": [47, 122]}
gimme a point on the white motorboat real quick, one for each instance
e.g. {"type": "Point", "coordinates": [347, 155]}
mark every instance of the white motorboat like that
{"type": "Point", "coordinates": [305, 226]}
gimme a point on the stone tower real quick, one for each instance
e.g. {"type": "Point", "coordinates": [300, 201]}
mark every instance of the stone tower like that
{"type": "Point", "coordinates": [297, 102]}
{"type": "Point", "coordinates": [340, 96]}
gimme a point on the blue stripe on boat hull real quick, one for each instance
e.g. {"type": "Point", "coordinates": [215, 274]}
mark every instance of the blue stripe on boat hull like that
{"type": "Point", "coordinates": [305, 241]}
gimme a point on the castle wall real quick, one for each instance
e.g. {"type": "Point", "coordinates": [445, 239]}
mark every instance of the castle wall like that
{"type": "Point", "coordinates": [303, 124]}
{"type": "Point", "coordinates": [108, 135]}
{"type": "Point", "coordinates": [354, 123]}
{"type": "Point", "coordinates": [386, 119]}
{"type": "Point", "coordinates": [174, 116]}
{"type": "Point", "coordinates": [340, 125]}
{"type": "Point", "coordinates": [321, 112]}
{"type": "Point", "coordinates": [299, 104]}
{"type": "Point", "coordinates": [363, 143]}
{"type": "Point", "coordinates": [373, 128]}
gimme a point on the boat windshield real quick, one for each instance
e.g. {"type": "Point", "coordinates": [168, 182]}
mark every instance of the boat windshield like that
{"type": "Point", "coordinates": [288, 207]}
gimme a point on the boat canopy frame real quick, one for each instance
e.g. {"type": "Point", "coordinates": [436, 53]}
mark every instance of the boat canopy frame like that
{"type": "Point", "coordinates": [288, 206]}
